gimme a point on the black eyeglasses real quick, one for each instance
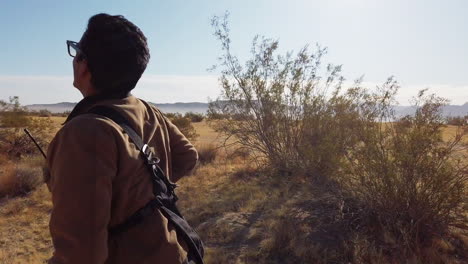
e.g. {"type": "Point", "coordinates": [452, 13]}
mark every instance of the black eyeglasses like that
{"type": "Point", "coordinates": [73, 48]}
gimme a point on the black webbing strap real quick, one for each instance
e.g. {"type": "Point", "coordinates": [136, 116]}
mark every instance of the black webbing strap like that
{"type": "Point", "coordinates": [164, 201]}
{"type": "Point", "coordinates": [185, 230]}
{"type": "Point", "coordinates": [151, 160]}
{"type": "Point", "coordinates": [136, 218]}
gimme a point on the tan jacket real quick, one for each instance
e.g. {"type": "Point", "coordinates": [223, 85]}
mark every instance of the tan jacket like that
{"type": "Point", "coordinates": [97, 180]}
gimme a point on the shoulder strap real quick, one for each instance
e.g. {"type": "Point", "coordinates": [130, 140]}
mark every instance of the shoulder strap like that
{"type": "Point", "coordinates": [171, 213]}
{"type": "Point", "coordinates": [120, 120]}
{"type": "Point", "coordinates": [148, 155]}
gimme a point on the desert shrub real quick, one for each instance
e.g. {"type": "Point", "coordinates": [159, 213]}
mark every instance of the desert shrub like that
{"type": "Point", "coordinates": [28, 178]}
{"type": "Point", "coordinates": [13, 141]}
{"type": "Point", "coordinates": [183, 124]}
{"type": "Point", "coordinates": [457, 120]}
{"type": "Point", "coordinates": [286, 108]}
{"type": "Point", "coordinates": [62, 114]}
{"type": "Point", "coordinates": [402, 184]}
{"type": "Point", "coordinates": [172, 115]}
{"type": "Point", "coordinates": [194, 117]}
{"type": "Point", "coordinates": [19, 179]}
{"type": "Point", "coordinates": [13, 114]}
{"type": "Point", "coordinates": [207, 153]}
{"type": "Point", "coordinates": [242, 153]}
{"type": "Point", "coordinates": [44, 113]}
{"type": "Point", "coordinates": [215, 115]}
{"type": "Point", "coordinates": [40, 113]}
{"type": "Point", "coordinates": [411, 183]}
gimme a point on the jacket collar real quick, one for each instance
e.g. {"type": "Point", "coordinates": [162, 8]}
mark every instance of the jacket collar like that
{"type": "Point", "coordinates": [86, 103]}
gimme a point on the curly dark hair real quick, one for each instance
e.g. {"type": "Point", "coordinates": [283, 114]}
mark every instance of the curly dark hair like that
{"type": "Point", "coordinates": [116, 52]}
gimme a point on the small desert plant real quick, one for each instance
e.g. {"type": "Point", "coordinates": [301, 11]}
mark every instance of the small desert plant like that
{"type": "Point", "coordinates": [40, 113]}
{"type": "Point", "coordinates": [207, 153]}
{"type": "Point", "coordinates": [19, 179]}
{"type": "Point", "coordinates": [184, 124]}
{"type": "Point", "coordinates": [194, 117]}
{"type": "Point", "coordinates": [215, 115]}
{"type": "Point", "coordinates": [13, 114]}
{"type": "Point", "coordinates": [171, 115]}
{"type": "Point", "coordinates": [457, 120]}
{"type": "Point", "coordinates": [44, 113]}
{"type": "Point", "coordinates": [13, 141]}
{"type": "Point", "coordinates": [62, 114]}
{"type": "Point", "coordinates": [242, 153]}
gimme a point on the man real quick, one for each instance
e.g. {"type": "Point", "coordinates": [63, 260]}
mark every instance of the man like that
{"type": "Point", "coordinates": [97, 177]}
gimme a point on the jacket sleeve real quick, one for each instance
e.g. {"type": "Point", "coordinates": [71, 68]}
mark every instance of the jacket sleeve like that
{"type": "Point", "coordinates": [82, 160]}
{"type": "Point", "coordinates": [184, 156]}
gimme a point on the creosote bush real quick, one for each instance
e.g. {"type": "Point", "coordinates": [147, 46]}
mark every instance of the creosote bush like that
{"type": "Point", "coordinates": [400, 181]}
{"type": "Point", "coordinates": [14, 118]}
{"type": "Point", "coordinates": [41, 113]}
{"type": "Point", "coordinates": [19, 179]}
{"type": "Point", "coordinates": [457, 120]}
{"type": "Point", "coordinates": [286, 109]}
{"type": "Point", "coordinates": [63, 114]}
{"type": "Point", "coordinates": [184, 124]}
{"type": "Point", "coordinates": [194, 117]}
{"type": "Point", "coordinates": [207, 153]}
{"type": "Point", "coordinates": [411, 181]}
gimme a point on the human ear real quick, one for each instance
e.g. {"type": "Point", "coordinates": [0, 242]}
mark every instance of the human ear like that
{"type": "Point", "coordinates": [83, 69]}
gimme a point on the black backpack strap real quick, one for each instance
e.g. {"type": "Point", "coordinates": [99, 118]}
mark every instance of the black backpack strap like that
{"type": "Point", "coordinates": [136, 217]}
{"type": "Point", "coordinates": [189, 235]}
{"type": "Point", "coordinates": [150, 159]}
{"type": "Point", "coordinates": [164, 201]}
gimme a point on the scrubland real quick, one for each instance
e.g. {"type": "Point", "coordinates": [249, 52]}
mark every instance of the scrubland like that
{"type": "Point", "coordinates": [244, 213]}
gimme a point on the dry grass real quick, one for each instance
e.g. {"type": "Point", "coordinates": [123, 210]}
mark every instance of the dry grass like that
{"type": "Point", "coordinates": [58, 120]}
{"type": "Point", "coordinates": [450, 132]}
{"type": "Point", "coordinates": [24, 233]}
{"type": "Point", "coordinates": [223, 208]}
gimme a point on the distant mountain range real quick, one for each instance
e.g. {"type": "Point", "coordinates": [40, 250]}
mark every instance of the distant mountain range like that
{"type": "Point", "coordinates": [166, 108]}
{"type": "Point", "coordinates": [54, 108]}
{"type": "Point", "coordinates": [450, 110]}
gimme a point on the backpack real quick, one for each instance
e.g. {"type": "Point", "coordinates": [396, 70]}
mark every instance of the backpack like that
{"type": "Point", "coordinates": [163, 190]}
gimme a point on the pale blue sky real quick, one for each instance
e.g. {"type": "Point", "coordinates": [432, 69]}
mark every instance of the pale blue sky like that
{"type": "Point", "coordinates": [422, 43]}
